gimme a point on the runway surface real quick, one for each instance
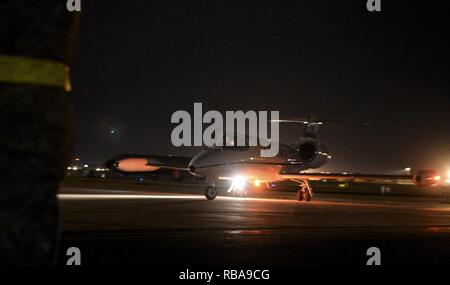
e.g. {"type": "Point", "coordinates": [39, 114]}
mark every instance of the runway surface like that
{"type": "Point", "coordinates": [166, 224]}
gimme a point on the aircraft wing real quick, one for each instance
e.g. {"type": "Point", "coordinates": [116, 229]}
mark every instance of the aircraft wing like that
{"type": "Point", "coordinates": [345, 176]}
{"type": "Point", "coordinates": [421, 178]}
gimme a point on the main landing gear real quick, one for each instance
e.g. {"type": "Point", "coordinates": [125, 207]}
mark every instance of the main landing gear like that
{"type": "Point", "coordinates": [211, 191]}
{"type": "Point", "coordinates": [304, 193]}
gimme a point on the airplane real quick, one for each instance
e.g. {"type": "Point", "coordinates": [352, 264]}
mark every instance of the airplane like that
{"type": "Point", "coordinates": [243, 164]}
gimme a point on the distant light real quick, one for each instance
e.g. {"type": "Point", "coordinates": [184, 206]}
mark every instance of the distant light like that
{"type": "Point", "coordinates": [408, 169]}
{"type": "Point", "coordinates": [112, 132]}
{"type": "Point", "coordinates": [75, 168]}
{"type": "Point", "coordinates": [437, 178]}
{"type": "Point", "coordinates": [77, 159]}
{"type": "Point", "coordinates": [85, 166]}
{"type": "Point", "coordinates": [69, 168]}
{"type": "Point", "coordinates": [257, 183]}
{"type": "Point", "coordinates": [97, 169]}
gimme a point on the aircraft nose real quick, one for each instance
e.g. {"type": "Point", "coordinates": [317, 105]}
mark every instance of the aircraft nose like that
{"type": "Point", "coordinates": [112, 164]}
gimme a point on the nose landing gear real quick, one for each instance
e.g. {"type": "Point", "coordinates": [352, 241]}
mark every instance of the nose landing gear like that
{"type": "Point", "coordinates": [211, 192]}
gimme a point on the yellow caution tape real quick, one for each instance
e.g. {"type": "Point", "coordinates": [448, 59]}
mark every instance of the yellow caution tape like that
{"type": "Point", "coordinates": [18, 69]}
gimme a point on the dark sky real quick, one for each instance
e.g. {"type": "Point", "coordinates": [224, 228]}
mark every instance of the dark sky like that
{"type": "Point", "coordinates": [139, 61]}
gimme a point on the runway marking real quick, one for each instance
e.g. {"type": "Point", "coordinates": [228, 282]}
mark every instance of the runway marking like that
{"type": "Point", "coordinates": [243, 199]}
{"type": "Point", "coordinates": [124, 196]}
{"type": "Point", "coordinates": [149, 197]}
{"type": "Point", "coordinates": [133, 196]}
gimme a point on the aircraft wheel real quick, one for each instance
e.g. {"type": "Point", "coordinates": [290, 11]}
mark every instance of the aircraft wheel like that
{"type": "Point", "coordinates": [307, 196]}
{"type": "Point", "coordinates": [300, 195]}
{"type": "Point", "coordinates": [210, 193]}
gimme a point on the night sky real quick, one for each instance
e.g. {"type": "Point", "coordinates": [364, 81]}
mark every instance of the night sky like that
{"type": "Point", "coordinates": [139, 61]}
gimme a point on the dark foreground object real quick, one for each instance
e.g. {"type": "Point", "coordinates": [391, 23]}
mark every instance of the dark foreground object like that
{"type": "Point", "coordinates": [35, 128]}
{"type": "Point", "coordinates": [155, 227]}
{"type": "Point", "coordinates": [260, 247]}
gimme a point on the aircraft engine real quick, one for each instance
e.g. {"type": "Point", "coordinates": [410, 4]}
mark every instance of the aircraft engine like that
{"type": "Point", "coordinates": [426, 178]}
{"type": "Point", "coordinates": [307, 151]}
{"type": "Point", "coordinates": [312, 153]}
